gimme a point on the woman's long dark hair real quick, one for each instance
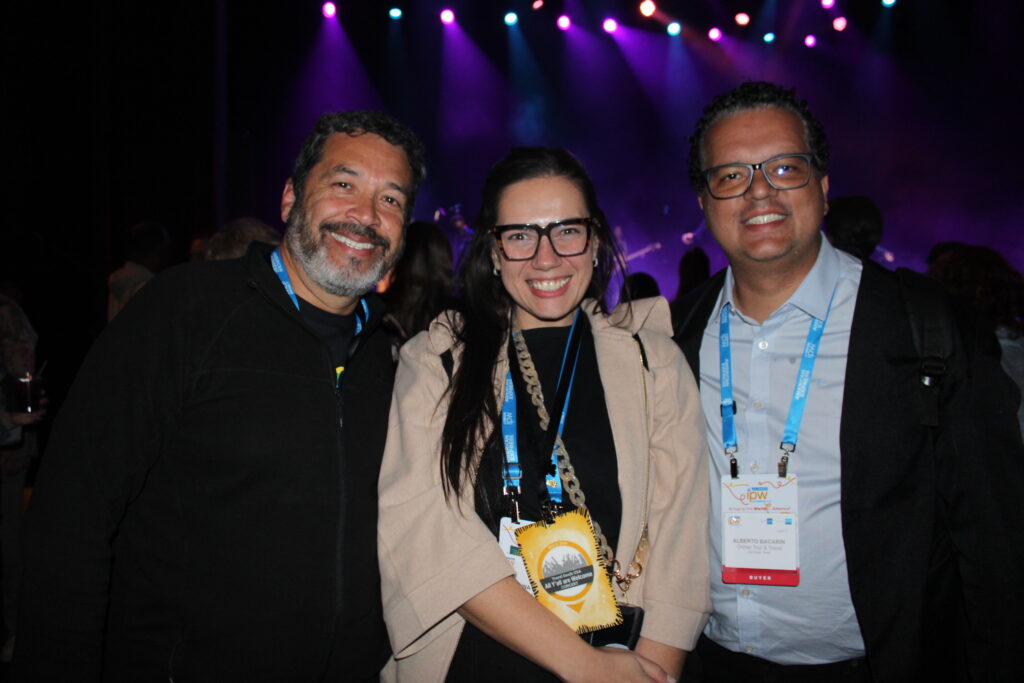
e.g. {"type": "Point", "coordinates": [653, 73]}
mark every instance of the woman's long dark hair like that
{"type": "Point", "coordinates": [487, 307]}
{"type": "Point", "coordinates": [421, 286]}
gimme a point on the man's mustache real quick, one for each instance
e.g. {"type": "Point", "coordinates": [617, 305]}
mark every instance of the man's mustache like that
{"type": "Point", "coordinates": [360, 231]}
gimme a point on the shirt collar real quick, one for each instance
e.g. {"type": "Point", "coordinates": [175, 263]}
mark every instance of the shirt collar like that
{"type": "Point", "coordinates": [812, 296]}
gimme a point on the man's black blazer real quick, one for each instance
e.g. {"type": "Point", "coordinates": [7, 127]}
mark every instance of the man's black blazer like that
{"type": "Point", "coordinates": [931, 518]}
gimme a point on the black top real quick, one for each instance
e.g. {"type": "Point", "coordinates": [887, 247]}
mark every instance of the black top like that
{"type": "Point", "coordinates": [588, 439]}
{"type": "Point", "coordinates": [336, 330]}
{"type": "Point", "coordinates": [199, 505]}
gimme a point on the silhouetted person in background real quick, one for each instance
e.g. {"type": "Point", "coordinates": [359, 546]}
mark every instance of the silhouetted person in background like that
{"type": "Point", "coordinates": [940, 248]}
{"type": "Point", "coordinates": [854, 224]}
{"type": "Point", "coordinates": [18, 446]}
{"type": "Point", "coordinates": [694, 269]}
{"type": "Point", "coordinates": [233, 240]}
{"type": "Point", "coordinates": [147, 252]}
{"type": "Point", "coordinates": [982, 277]}
{"type": "Point", "coordinates": [639, 286]}
{"type": "Point", "coordinates": [197, 247]}
{"type": "Point", "coordinates": [421, 283]}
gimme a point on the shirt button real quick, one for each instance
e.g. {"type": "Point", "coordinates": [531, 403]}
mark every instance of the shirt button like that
{"type": "Point", "coordinates": [754, 468]}
{"type": "Point", "coordinates": [758, 405]}
{"type": "Point", "coordinates": [745, 592]}
{"type": "Point", "coordinates": [749, 648]}
{"type": "Point", "coordinates": [763, 344]}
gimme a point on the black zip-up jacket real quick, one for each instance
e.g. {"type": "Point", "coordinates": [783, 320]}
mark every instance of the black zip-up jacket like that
{"type": "Point", "coordinates": [201, 514]}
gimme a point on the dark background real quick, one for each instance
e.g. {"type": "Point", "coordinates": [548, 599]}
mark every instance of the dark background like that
{"type": "Point", "coordinates": [192, 113]}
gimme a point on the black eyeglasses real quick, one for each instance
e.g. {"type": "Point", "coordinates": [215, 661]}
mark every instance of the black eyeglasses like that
{"type": "Point", "coordinates": [520, 242]}
{"type": "Point", "coordinates": [784, 172]}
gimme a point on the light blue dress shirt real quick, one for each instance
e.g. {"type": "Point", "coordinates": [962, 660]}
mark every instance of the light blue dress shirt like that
{"type": "Point", "coordinates": [813, 623]}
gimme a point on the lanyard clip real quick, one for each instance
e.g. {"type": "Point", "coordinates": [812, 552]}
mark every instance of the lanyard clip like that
{"type": "Point", "coordinates": [787, 448]}
{"type": "Point", "coordinates": [734, 466]}
{"type": "Point", "coordinates": [548, 510]}
{"type": "Point", "coordinates": [512, 493]}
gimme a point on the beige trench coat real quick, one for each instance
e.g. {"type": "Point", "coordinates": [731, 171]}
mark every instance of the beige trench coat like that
{"type": "Point", "coordinates": [434, 556]}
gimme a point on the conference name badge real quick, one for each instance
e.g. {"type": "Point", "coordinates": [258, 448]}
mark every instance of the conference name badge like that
{"type": "Point", "coordinates": [510, 546]}
{"type": "Point", "coordinates": [760, 543]}
{"type": "Point", "coordinates": [563, 565]}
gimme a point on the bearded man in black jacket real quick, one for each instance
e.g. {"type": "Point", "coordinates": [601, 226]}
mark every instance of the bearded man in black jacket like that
{"type": "Point", "coordinates": [206, 510]}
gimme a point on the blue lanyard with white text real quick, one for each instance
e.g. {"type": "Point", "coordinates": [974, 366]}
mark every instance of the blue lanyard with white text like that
{"type": "Point", "coordinates": [362, 312]}
{"type": "Point", "coordinates": [796, 407]}
{"type": "Point", "coordinates": [513, 472]}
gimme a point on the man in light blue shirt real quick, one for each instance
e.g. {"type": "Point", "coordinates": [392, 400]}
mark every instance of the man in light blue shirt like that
{"type": "Point", "coordinates": [879, 529]}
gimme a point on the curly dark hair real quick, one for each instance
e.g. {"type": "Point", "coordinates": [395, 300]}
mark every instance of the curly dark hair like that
{"type": "Point", "coordinates": [357, 122]}
{"type": "Point", "coordinates": [756, 95]}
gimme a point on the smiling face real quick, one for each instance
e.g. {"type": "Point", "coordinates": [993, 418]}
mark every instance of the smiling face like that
{"type": "Point", "coordinates": [764, 227]}
{"type": "Point", "coordinates": [548, 288]}
{"type": "Point", "coordinates": [348, 231]}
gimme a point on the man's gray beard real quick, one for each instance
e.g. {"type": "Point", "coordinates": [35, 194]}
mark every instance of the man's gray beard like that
{"type": "Point", "coordinates": [348, 282]}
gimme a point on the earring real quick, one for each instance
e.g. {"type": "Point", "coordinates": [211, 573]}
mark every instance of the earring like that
{"type": "Point", "coordinates": [595, 261]}
{"type": "Point", "coordinates": [495, 271]}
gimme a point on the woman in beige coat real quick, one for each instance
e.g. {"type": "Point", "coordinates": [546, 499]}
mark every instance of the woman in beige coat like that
{"type": "Point", "coordinates": [463, 458]}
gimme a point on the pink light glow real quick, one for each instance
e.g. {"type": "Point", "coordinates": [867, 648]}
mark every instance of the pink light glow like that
{"type": "Point", "coordinates": [537, 4]}
{"type": "Point", "coordinates": [329, 10]}
{"type": "Point", "coordinates": [742, 18]}
{"type": "Point", "coordinates": [828, 4]}
{"type": "Point", "coordinates": [564, 23]}
{"type": "Point", "coordinates": [447, 16]}
{"type": "Point", "coordinates": [810, 40]}
{"type": "Point", "coordinates": [610, 25]}
{"type": "Point", "coordinates": [839, 23]}
{"type": "Point", "coordinates": [715, 34]}
{"type": "Point", "coordinates": [648, 8]}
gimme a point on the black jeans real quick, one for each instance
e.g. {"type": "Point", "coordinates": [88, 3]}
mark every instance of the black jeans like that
{"type": "Point", "coordinates": [712, 663]}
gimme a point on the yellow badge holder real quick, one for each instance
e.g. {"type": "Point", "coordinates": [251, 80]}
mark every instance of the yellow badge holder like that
{"type": "Point", "coordinates": [564, 566]}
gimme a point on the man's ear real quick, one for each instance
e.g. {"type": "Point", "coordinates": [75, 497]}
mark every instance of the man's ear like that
{"type": "Point", "coordinates": [824, 192]}
{"type": "Point", "coordinates": [287, 200]}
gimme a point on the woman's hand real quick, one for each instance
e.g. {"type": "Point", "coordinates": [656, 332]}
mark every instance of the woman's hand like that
{"type": "Point", "coordinates": [510, 615]}
{"type": "Point", "coordinates": [619, 664]}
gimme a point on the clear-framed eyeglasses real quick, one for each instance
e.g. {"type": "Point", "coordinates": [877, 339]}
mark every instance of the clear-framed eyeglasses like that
{"type": "Point", "coordinates": [520, 242]}
{"type": "Point", "coordinates": [784, 172]}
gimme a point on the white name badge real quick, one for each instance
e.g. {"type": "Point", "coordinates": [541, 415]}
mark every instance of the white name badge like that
{"type": "Point", "coordinates": [759, 530]}
{"type": "Point", "coordinates": [510, 546]}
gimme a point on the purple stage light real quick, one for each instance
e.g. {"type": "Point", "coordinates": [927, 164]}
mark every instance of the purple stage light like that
{"type": "Point", "coordinates": [610, 25]}
{"type": "Point", "coordinates": [715, 34]}
{"type": "Point", "coordinates": [329, 9]}
{"type": "Point", "coordinates": [742, 18]}
{"type": "Point", "coordinates": [810, 40]}
{"type": "Point", "coordinates": [828, 4]}
{"type": "Point", "coordinates": [447, 16]}
{"type": "Point", "coordinates": [564, 22]}
{"type": "Point", "coordinates": [839, 23]}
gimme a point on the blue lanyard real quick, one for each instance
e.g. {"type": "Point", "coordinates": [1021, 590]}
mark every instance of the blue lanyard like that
{"type": "Point", "coordinates": [362, 313]}
{"type": "Point", "coordinates": [513, 473]}
{"type": "Point", "coordinates": [796, 406]}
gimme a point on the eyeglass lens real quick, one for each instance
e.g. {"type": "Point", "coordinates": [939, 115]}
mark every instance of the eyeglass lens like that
{"type": "Point", "coordinates": [521, 242]}
{"type": "Point", "coordinates": [782, 173]}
